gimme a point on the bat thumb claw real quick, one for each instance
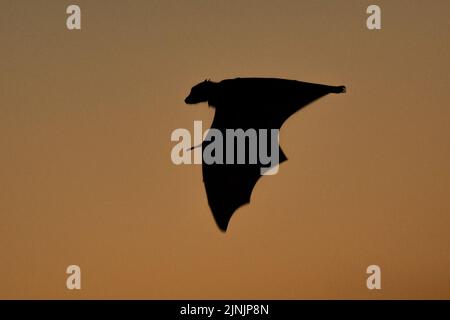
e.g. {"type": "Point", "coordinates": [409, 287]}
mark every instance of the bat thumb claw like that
{"type": "Point", "coordinates": [193, 147]}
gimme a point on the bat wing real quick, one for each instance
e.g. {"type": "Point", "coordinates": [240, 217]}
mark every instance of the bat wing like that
{"type": "Point", "coordinates": [229, 186]}
{"type": "Point", "coordinates": [286, 97]}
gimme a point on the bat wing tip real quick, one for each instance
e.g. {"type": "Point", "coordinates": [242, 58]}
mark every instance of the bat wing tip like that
{"type": "Point", "coordinates": [223, 217]}
{"type": "Point", "coordinates": [223, 229]}
{"type": "Point", "coordinates": [223, 225]}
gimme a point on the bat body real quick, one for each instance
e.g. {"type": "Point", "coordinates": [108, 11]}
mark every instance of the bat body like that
{"type": "Point", "coordinates": [247, 103]}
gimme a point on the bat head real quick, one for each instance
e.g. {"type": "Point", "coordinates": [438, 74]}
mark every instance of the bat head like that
{"type": "Point", "coordinates": [200, 93]}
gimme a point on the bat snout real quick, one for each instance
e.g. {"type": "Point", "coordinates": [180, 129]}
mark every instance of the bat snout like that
{"type": "Point", "coordinates": [188, 100]}
{"type": "Point", "coordinates": [193, 99]}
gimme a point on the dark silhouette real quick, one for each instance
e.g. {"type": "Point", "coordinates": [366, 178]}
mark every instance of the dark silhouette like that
{"type": "Point", "coordinates": [245, 103]}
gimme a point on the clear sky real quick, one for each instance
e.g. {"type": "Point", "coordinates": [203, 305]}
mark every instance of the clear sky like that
{"type": "Point", "coordinates": [86, 176]}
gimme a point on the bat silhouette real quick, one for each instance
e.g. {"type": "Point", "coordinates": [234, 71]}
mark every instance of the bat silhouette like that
{"type": "Point", "coordinates": [247, 103]}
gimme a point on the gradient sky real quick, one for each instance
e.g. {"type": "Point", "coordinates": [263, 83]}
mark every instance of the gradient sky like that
{"type": "Point", "coordinates": [86, 176]}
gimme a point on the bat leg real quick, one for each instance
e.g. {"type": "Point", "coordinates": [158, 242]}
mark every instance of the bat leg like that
{"type": "Point", "coordinates": [282, 156]}
{"type": "Point", "coordinates": [340, 89]}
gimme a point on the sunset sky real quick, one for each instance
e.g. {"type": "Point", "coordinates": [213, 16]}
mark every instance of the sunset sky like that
{"type": "Point", "coordinates": [86, 176]}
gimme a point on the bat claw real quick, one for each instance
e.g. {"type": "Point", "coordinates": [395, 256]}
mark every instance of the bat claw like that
{"type": "Point", "coordinates": [193, 147]}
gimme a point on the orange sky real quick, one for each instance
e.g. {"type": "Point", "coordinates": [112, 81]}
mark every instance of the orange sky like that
{"type": "Point", "coordinates": [87, 179]}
